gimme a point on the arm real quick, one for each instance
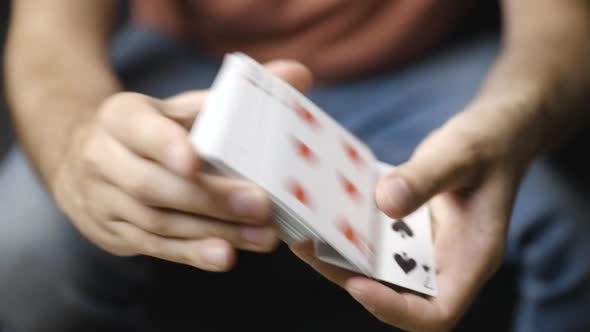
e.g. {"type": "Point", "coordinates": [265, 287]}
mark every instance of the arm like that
{"type": "Point", "coordinates": [57, 73]}
{"type": "Point", "coordinates": [532, 99]}
{"type": "Point", "coordinates": [543, 73]}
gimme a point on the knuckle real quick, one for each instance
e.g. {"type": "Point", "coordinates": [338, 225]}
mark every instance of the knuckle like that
{"type": "Point", "coordinates": [121, 100]}
{"type": "Point", "coordinates": [131, 241]}
{"type": "Point", "coordinates": [156, 222]}
{"type": "Point", "coordinates": [265, 212]}
{"type": "Point", "coordinates": [471, 146]}
{"type": "Point", "coordinates": [226, 232]}
{"type": "Point", "coordinates": [115, 244]}
{"type": "Point", "coordinates": [109, 108]}
{"type": "Point", "coordinates": [113, 107]}
{"type": "Point", "coordinates": [104, 243]}
{"type": "Point", "coordinates": [473, 154]}
{"type": "Point", "coordinates": [89, 158]}
{"type": "Point", "coordinates": [208, 203]}
{"type": "Point", "coordinates": [139, 185]}
{"type": "Point", "coordinates": [213, 229]}
{"type": "Point", "coordinates": [154, 127]}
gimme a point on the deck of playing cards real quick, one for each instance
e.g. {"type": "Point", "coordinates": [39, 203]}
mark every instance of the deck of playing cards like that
{"type": "Point", "coordinates": [320, 177]}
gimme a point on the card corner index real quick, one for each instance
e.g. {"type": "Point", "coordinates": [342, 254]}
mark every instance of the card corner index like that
{"type": "Point", "coordinates": [406, 251]}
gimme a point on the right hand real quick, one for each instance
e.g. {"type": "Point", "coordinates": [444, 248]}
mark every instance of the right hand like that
{"type": "Point", "coordinates": [131, 183]}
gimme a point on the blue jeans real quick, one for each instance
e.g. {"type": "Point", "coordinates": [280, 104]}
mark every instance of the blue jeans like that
{"type": "Point", "coordinates": [52, 279]}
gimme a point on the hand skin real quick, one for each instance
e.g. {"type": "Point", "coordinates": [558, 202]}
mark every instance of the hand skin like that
{"type": "Point", "coordinates": [131, 182]}
{"type": "Point", "coordinates": [477, 180]}
{"type": "Point", "coordinates": [120, 164]}
{"type": "Point", "coordinates": [532, 100]}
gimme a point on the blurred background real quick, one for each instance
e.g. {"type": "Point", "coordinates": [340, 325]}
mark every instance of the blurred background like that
{"type": "Point", "coordinates": [496, 297]}
{"type": "Point", "coordinates": [5, 130]}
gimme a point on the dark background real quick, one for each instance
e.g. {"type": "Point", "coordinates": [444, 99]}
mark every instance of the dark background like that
{"type": "Point", "coordinates": [4, 128]}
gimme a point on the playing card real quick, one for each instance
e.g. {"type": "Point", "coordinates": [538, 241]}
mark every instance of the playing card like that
{"type": "Point", "coordinates": [313, 190]}
{"type": "Point", "coordinates": [234, 129]}
{"type": "Point", "coordinates": [320, 177]}
{"type": "Point", "coordinates": [404, 254]}
{"type": "Point", "coordinates": [308, 151]}
{"type": "Point", "coordinates": [235, 107]}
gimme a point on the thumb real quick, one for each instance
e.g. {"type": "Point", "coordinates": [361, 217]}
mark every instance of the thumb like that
{"type": "Point", "coordinates": [431, 170]}
{"type": "Point", "coordinates": [292, 72]}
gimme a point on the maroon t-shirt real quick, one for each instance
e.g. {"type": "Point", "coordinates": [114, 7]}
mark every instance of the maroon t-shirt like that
{"type": "Point", "coordinates": [335, 38]}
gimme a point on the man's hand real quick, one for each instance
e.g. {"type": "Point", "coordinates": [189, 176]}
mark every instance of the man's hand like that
{"type": "Point", "coordinates": [132, 183]}
{"type": "Point", "coordinates": [470, 168]}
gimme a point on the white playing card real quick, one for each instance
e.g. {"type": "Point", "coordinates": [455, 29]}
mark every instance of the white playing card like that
{"type": "Point", "coordinates": [320, 177]}
{"type": "Point", "coordinates": [404, 254]}
{"type": "Point", "coordinates": [234, 128]}
{"type": "Point", "coordinates": [303, 171]}
{"type": "Point", "coordinates": [306, 186]}
{"type": "Point", "coordinates": [239, 153]}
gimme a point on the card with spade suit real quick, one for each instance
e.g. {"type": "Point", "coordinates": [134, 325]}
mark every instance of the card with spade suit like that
{"type": "Point", "coordinates": [320, 177]}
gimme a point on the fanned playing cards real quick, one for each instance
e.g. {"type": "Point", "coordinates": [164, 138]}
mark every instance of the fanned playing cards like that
{"type": "Point", "coordinates": [320, 177]}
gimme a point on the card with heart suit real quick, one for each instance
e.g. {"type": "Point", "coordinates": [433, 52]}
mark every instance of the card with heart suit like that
{"type": "Point", "coordinates": [320, 178]}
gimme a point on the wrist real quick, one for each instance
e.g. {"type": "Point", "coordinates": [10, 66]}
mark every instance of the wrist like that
{"type": "Point", "coordinates": [537, 111]}
{"type": "Point", "coordinates": [56, 163]}
{"type": "Point", "coordinates": [511, 123]}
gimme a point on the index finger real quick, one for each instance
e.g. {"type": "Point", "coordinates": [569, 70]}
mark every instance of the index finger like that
{"type": "Point", "coordinates": [138, 124]}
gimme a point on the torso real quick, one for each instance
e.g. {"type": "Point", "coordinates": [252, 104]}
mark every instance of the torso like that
{"type": "Point", "coordinates": [337, 39]}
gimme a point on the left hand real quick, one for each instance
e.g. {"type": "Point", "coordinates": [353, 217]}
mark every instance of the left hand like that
{"type": "Point", "coordinates": [468, 171]}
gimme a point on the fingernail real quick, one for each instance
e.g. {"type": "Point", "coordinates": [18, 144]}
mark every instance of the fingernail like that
{"type": "Point", "coordinates": [280, 64]}
{"type": "Point", "coordinates": [178, 158]}
{"type": "Point", "coordinates": [247, 203]}
{"type": "Point", "coordinates": [215, 256]}
{"type": "Point", "coordinates": [397, 192]}
{"type": "Point", "coordinates": [257, 235]}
